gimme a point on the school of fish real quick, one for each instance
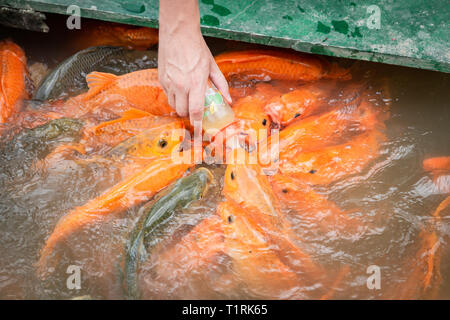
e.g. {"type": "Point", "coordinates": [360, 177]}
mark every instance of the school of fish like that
{"type": "Point", "coordinates": [326, 128]}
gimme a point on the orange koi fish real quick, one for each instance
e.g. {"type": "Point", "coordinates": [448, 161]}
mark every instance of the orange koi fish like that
{"type": "Point", "coordinates": [140, 89]}
{"type": "Point", "coordinates": [131, 153]}
{"type": "Point", "coordinates": [332, 163]}
{"type": "Point", "coordinates": [251, 120]}
{"type": "Point", "coordinates": [13, 73]}
{"type": "Point", "coordinates": [195, 250]}
{"type": "Point", "coordinates": [318, 132]}
{"type": "Point", "coordinates": [437, 164]}
{"type": "Point", "coordinates": [250, 188]}
{"type": "Point", "coordinates": [439, 168]}
{"type": "Point", "coordinates": [312, 99]}
{"type": "Point", "coordinates": [190, 266]}
{"type": "Point", "coordinates": [299, 103]}
{"type": "Point", "coordinates": [300, 199]}
{"type": "Point", "coordinates": [254, 201]}
{"type": "Point", "coordinates": [251, 124]}
{"type": "Point", "coordinates": [153, 142]}
{"type": "Point", "coordinates": [249, 111]}
{"type": "Point", "coordinates": [137, 188]}
{"type": "Point", "coordinates": [424, 279]}
{"type": "Point", "coordinates": [328, 128]}
{"type": "Point", "coordinates": [277, 65]}
{"type": "Point", "coordinates": [97, 33]}
{"type": "Point", "coordinates": [113, 132]}
{"type": "Point", "coordinates": [254, 262]}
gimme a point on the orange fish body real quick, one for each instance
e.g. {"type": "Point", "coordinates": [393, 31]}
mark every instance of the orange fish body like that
{"type": "Point", "coordinates": [266, 91]}
{"type": "Point", "coordinates": [300, 199]}
{"type": "Point", "coordinates": [113, 132]}
{"type": "Point", "coordinates": [162, 137]}
{"type": "Point", "coordinates": [320, 131]}
{"type": "Point", "coordinates": [261, 90]}
{"type": "Point", "coordinates": [249, 189]}
{"type": "Point", "coordinates": [332, 163]}
{"type": "Point", "coordinates": [326, 129]}
{"type": "Point", "coordinates": [203, 242]}
{"type": "Point", "coordinates": [253, 261]}
{"type": "Point", "coordinates": [246, 185]}
{"type": "Point", "coordinates": [194, 251]}
{"type": "Point", "coordinates": [190, 266]}
{"type": "Point", "coordinates": [437, 164]}
{"type": "Point", "coordinates": [250, 109]}
{"type": "Point", "coordinates": [252, 121]}
{"type": "Point", "coordinates": [136, 151]}
{"type": "Point", "coordinates": [130, 192]}
{"type": "Point", "coordinates": [276, 65]}
{"type": "Point", "coordinates": [133, 144]}
{"type": "Point", "coordinates": [424, 278]}
{"type": "Point", "coordinates": [439, 168]}
{"type": "Point", "coordinates": [140, 89]}
{"type": "Point", "coordinates": [13, 73]}
{"type": "Point", "coordinates": [299, 103]}
{"type": "Point", "coordinates": [113, 34]}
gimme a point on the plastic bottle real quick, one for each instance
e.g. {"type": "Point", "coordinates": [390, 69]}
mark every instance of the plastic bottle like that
{"type": "Point", "coordinates": [217, 113]}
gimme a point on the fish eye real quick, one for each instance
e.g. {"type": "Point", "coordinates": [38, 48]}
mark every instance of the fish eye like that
{"type": "Point", "coordinates": [264, 122]}
{"type": "Point", "coordinates": [162, 143]}
{"type": "Point", "coordinates": [285, 190]}
{"type": "Point", "coordinates": [232, 175]}
{"type": "Point", "coordinates": [297, 115]}
{"type": "Point", "coordinates": [313, 171]}
{"type": "Point", "coordinates": [230, 218]}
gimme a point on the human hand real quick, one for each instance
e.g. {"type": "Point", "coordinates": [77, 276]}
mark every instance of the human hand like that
{"type": "Point", "coordinates": [184, 60]}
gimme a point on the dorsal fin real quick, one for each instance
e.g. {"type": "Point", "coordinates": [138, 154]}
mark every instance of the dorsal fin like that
{"type": "Point", "coordinates": [98, 81]}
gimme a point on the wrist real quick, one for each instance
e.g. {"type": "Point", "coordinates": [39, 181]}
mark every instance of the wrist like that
{"type": "Point", "coordinates": [178, 16]}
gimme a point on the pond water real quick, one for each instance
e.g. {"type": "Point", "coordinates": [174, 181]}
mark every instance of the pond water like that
{"type": "Point", "coordinates": [393, 197]}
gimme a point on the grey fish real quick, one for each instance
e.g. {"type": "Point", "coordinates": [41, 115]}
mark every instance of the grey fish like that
{"type": "Point", "coordinates": [157, 213]}
{"type": "Point", "coordinates": [18, 154]}
{"type": "Point", "coordinates": [69, 77]}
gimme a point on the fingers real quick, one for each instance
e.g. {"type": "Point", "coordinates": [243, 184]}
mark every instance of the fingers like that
{"type": "Point", "coordinates": [177, 96]}
{"type": "Point", "coordinates": [171, 100]}
{"type": "Point", "coordinates": [181, 101]}
{"type": "Point", "coordinates": [196, 104]}
{"type": "Point", "coordinates": [219, 81]}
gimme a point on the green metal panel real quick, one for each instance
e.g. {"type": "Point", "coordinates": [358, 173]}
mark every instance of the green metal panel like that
{"type": "Point", "coordinates": [411, 33]}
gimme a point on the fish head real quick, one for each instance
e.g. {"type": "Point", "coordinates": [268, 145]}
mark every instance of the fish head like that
{"type": "Point", "coordinates": [248, 186]}
{"type": "Point", "coordinates": [161, 140]}
{"type": "Point", "coordinates": [158, 140]}
{"type": "Point", "coordinates": [254, 124]}
{"type": "Point", "coordinates": [240, 229]}
{"type": "Point", "coordinates": [200, 180]}
{"type": "Point", "coordinates": [285, 108]}
{"type": "Point", "coordinates": [284, 186]}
